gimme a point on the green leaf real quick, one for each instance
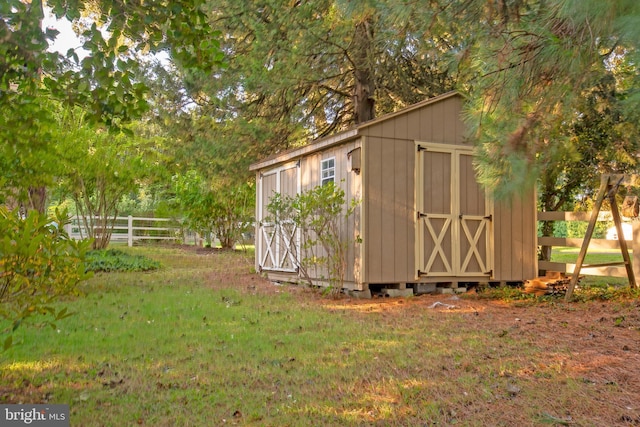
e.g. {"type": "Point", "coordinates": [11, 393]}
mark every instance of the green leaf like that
{"type": "Point", "coordinates": [73, 14]}
{"type": "Point", "coordinates": [8, 342]}
{"type": "Point", "coordinates": [83, 86]}
{"type": "Point", "coordinates": [64, 313]}
{"type": "Point", "coordinates": [51, 33]}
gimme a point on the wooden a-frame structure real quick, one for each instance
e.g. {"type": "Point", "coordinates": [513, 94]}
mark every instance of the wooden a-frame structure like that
{"type": "Point", "coordinates": [609, 186]}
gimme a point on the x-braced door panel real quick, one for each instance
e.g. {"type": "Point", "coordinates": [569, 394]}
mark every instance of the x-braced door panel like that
{"type": "Point", "coordinates": [453, 220]}
{"type": "Point", "coordinates": [475, 220]}
{"type": "Point", "coordinates": [474, 245]}
{"type": "Point", "coordinates": [437, 244]}
{"type": "Point", "coordinates": [435, 217]}
{"type": "Point", "coordinates": [278, 243]}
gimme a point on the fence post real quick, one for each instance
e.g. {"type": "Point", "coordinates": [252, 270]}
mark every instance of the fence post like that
{"type": "Point", "coordinates": [635, 247]}
{"type": "Point", "coordinates": [130, 231]}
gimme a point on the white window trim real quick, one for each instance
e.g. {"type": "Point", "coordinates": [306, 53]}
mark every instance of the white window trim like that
{"type": "Point", "coordinates": [332, 177]}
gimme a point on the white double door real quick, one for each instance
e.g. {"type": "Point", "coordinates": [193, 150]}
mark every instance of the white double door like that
{"type": "Point", "coordinates": [277, 243]}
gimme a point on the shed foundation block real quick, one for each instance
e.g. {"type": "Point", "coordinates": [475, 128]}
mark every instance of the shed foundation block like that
{"type": "Point", "coordinates": [424, 288]}
{"type": "Point", "coordinates": [366, 294]}
{"type": "Point", "coordinates": [397, 292]}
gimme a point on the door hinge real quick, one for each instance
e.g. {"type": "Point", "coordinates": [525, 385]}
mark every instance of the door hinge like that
{"type": "Point", "coordinates": [489, 273]}
{"type": "Point", "coordinates": [421, 148]}
{"type": "Point", "coordinates": [489, 217]}
{"type": "Point", "coordinates": [420, 215]}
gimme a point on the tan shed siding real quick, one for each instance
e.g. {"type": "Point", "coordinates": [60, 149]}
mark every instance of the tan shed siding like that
{"type": "Point", "coordinates": [472, 198]}
{"type": "Point", "coordinates": [405, 257]}
{"type": "Point", "coordinates": [373, 209]}
{"type": "Point", "coordinates": [401, 128]}
{"type": "Point", "coordinates": [390, 185]}
{"type": "Point", "coordinates": [312, 178]}
{"type": "Point", "coordinates": [440, 133]}
{"type": "Point", "coordinates": [258, 217]}
{"type": "Point", "coordinates": [386, 184]}
{"type": "Point", "coordinates": [354, 195]}
{"type": "Point", "coordinates": [514, 224]}
{"type": "Point", "coordinates": [389, 200]}
{"type": "Point", "coordinates": [438, 171]}
{"type": "Point", "coordinates": [289, 182]}
{"type": "Point", "coordinates": [514, 231]}
{"type": "Point", "coordinates": [472, 202]}
{"type": "Point", "coordinates": [389, 208]}
{"type": "Point", "coordinates": [390, 204]}
{"type": "Point", "coordinates": [530, 267]}
{"type": "Point", "coordinates": [459, 126]}
{"type": "Point", "coordinates": [351, 184]}
{"type": "Point", "coordinates": [424, 121]}
{"type": "Point", "coordinates": [311, 166]}
{"type": "Point", "coordinates": [310, 172]}
{"type": "Point", "coordinates": [268, 184]}
{"type": "Point", "coordinates": [439, 122]}
{"type": "Point", "coordinates": [501, 241]}
{"type": "Point", "coordinates": [452, 119]}
{"type": "Point", "coordinates": [412, 131]}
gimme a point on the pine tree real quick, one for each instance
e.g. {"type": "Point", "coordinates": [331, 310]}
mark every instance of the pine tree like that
{"type": "Point", "coordinates": [528, 69]}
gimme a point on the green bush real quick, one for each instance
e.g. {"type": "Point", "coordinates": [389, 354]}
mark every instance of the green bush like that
{"type": "Point", "coordinates": [116, 260]}
{"type": "Point", "coordinates": [320, 216]}
{"type": "Point", "coordinates": [39, 264]}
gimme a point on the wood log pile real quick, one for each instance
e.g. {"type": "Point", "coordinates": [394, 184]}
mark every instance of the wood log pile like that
{"type": "Point", "coordinates": [553, 283]}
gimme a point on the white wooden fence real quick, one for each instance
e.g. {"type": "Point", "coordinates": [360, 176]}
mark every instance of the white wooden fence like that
{"type": "Point", "coordinates": [131, 229]}
{"type": "Point", "coordinates": [612, 270]}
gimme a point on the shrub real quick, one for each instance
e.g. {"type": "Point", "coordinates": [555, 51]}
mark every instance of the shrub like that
{"type": "Point", "coordinates": [39, 264]}
{"type": "Point", "coordinates": [116, 260]}
{"type": "Point", "coordinates": [319, 216]}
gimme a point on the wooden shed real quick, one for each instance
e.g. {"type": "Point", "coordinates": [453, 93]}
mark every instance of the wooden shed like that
{"type": "Point", "coordinates": [422, 219]}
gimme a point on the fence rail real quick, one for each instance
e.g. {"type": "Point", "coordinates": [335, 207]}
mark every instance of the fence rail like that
{"type": "Point", "coordinates": [131, 229]}
{"type": "Point", "coordinates": [601, 270]}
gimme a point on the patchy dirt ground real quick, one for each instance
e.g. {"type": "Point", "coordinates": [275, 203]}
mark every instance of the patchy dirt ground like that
{"type": "Point", "coordinates": [598, 334]}
{"type": "Point", "coordinates": [597, 342]}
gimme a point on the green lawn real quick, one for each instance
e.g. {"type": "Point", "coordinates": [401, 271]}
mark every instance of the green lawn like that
{"type": "Point", "coordinates": [202, 342]}
{"type": "Point", "coordinates": [570, 255]}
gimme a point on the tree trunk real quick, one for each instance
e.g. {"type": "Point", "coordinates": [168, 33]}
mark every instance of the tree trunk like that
{"type": "Point", "coordinates": [36, 195]}
{"type": "Point", "coordinates": [547, 231]}
{"type": "Point", "coordinates": [550, 200]}
{"type": "Point", "coordinates": [38, 199]}
{"type": "Point", "coordinates": [364, 87]}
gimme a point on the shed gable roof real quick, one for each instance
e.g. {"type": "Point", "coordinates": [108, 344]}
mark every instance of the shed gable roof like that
{"type": "Point", "coordinates": [341, 137]}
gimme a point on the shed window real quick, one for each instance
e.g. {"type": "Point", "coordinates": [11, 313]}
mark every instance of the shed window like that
{"type": "Point", "coordinates": [328, 169]}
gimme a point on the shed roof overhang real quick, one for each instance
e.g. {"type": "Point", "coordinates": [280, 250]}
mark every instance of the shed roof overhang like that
{"type": "Point", "coordinates": [341, 137]}
{"type": "Point", "coordinates": [295, 153]}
